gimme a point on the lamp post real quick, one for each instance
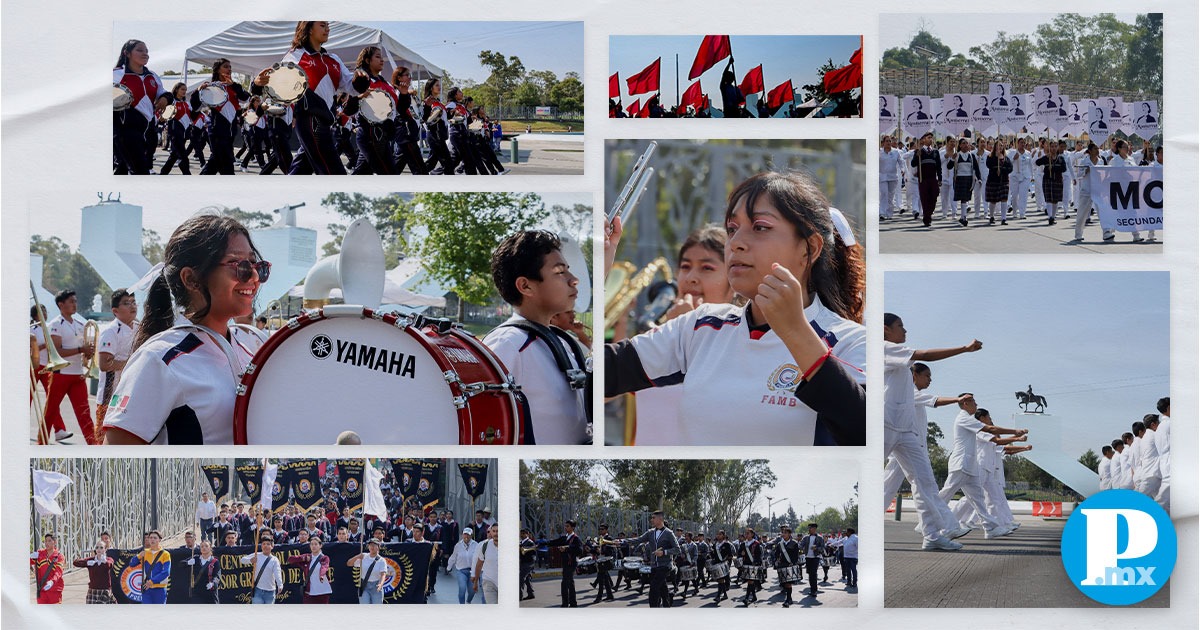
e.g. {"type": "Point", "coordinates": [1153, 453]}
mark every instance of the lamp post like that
{"type": "Point", "coordinates": [770, 513]}
{"type": "Point", "coordinates": [926, 54]}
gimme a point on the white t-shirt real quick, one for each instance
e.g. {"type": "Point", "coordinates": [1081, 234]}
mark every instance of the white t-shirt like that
{"type": "Point", "coordinates": [850, 546]}
{"type": "Point", "coordinates": [898, 391]}
{"type": "Point", "coordinates": [889, 165]}
{"type": "Point", "coordinates": [268, 566]}
{"type": "Point", "coordinates": [555, 409]}
{"type": "Point", "coordinates": [71, 334]}
{"type": "Point", "coordinates": [963, 456]}
{"type": "Point", "coordinates": [730, 373]}
{"type": "Point", "coordinates": [35, 330]}
{"type": "Point", "coordinates": [1105, 472]}
{"type": "Point", "coordinates": [178, 388]}
{"type": "Point", "coordinates": [115, 339]}
{"type": "Point", "coordinates": [377, 572]}
{"type": "Point", "coordinates": [486, 551]}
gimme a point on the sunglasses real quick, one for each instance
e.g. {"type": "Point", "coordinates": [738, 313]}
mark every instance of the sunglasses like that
{"type": "Point", "coordinates": [242, 269]}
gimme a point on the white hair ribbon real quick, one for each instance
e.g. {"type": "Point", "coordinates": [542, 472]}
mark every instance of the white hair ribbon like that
{"type": "Point", "coordinates": [143, 283]}
{"type": "Point", "coordinates": [842, 226]}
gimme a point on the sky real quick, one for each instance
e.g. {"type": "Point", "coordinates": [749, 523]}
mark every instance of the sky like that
{"type": "Point", "coordinates": [454, 46]}
{"type": "Point", "coordinates": [795, 485]}
{"type": "Point", "coordinates": [1096, 344]}
{"type": "Point", "coordinates": [57, 214]}
{"type": "Point", "coordinates": [963, 30]}
{"type": "Point", "coordinates": [783, 57]}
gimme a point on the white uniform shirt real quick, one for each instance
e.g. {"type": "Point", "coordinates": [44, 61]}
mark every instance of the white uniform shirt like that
{"type": "Point", "coordinates": [463, 556]}
{"type": "Point", "coordinates": [963, 456]}
{"type": "Point", "coordinates": [1122, 476]}
{"type": "Point", "coordinates": [898, 391]}
{"type": "Point", "coordinates": [1162, 442]}
{"type": "Point", "coordinates": [850, 546]}
{"type": "Point", "coordinates": [377, 572]}
{"type": "Point", "coordinates": [730, 372]}
{"type": "Point", "coordinates": [555, 409]}
{"type": "Point", "coordinates": [71, 334]}
{"type": "Point", "coordinates": [1022, 165]}
{"type": "Point", "coordinates": [249, 336]}
{"type": "Point", "coordinates": [985, 453]}
{"type": "Point", "coordinates": [272, 574]}
{"type": "Point", "coordinates": [921, 401]}
{"type": "Point", "coordinates": [486, 551]}
{"type": "Point", "coordinates": [115, 339]}
{"type": "Point", "coordinates": [206, 510]}
{"type": "Point", "coordinates": [178, 388]}
{"type": "Point", "coordinates": [35, 330]}
{"type": "Point", "coordinates": [1105, 472]}
{"type": "Point", "coordinates": [889, 165]}
{"type": "Point", "coordinates": [1147, 458]}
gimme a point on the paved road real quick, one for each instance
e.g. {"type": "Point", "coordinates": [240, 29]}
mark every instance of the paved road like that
{"type": "Point", "coordinates": [1021, 570]}
{"type": "Point", "coordinates": [830, 594]}
{"type": "Point", "coordinates": [1031, 235]}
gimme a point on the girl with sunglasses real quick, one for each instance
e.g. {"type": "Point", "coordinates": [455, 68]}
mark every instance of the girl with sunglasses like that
{"type": "Point", "coordinates": [179, 386]}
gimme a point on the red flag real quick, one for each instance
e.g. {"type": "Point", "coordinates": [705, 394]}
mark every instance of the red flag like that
{"type": "Point", "coordinates": [614, 86]}
{"type": "Point", "coordinates": [780, 94]}
{"type": "Point", "coordinates": [705, 103]}
{"type": "Point", "coordinates": [646, 80]}
{"type": "Point", "coordinates": [692, 96]}
{"type": "Point", "coordinates": [847, 77]}
{"type": "Point", "coordinates": [634, 108]}
{"type": "Point", "coordinates": [753, 81]}
{"type": "Point", "coordinates": [713, 49]}
{"type": "Point", "coordinates": [645, 111]}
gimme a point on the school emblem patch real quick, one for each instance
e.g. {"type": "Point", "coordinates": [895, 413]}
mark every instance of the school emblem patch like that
{"type": "Point", "coordinates": [131, 583]}
{"type": "Point", "coordinates": [305, 486]}
{"type": "Point", "coordinates": [351, 485]}
{"type": "Point", "coordinates": [784, 378]}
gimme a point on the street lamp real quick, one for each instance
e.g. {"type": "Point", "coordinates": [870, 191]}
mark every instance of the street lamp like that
{"type": "Point", "coordinates": [770, 514]}
{"type": "Point", "coordinates": [927, 54]}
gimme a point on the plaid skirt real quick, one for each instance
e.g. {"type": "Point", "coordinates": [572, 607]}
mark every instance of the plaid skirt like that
{"type": "Point", "coordinates": [963, 184]}
{"type": "Point", "coordinates": [996, 189]}
{"type": "Point", "coordinates": [100, 596]}
{"type": "Point", "coordinates": [1052, 188]}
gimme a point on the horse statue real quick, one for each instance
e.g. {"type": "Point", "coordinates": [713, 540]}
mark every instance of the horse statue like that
{"type": "Point", "coordinates": [1027, 398]}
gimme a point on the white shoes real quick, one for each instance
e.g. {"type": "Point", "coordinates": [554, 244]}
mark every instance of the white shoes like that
{"type": "Point", "coordinates": [997, 532]}
{"type": "Point", "coordinates": [957, 532]}
{"type": "Point", "coordinates": [62, 435]}
{"type": "Point", "coordinates": [941, 543]}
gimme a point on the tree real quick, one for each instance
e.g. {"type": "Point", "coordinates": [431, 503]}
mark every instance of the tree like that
{"type": "Point", "coordinates": [567, 480]}
{"type": "Point", "coordinates": [817, 90]}
{"type": "Point", "coordinates": [65, 269]}
{"type": "Point", "coordinates": [252, 220]}
{"type": "Point", "coordinates": [505, 73]}
{"type": "Point", "coordinates": [460, 232]}
{"type": "Point", "coordinates": [1091, 460]}
{"type": "Point", "coordinates": [734, 486]}
{"type": "Point", "coordinates": [1009, 55]}
{"type": "Point", "coordinates": [908, 57]}
{"type": "Point", "coordinates": [567, 95]}
{"type": "Point", "coordinates": [1085, 49]}
{"type": "Point", "coordinates": [933, 433]}
{"type": "Point", "coordinates": [152, 246]}
{"type": "Point", "coordinates": [671, 485]}
{"type": "Point", "coordinates": [382, 212]}
{"type": "Point", "coordinates": [527, 95]}
{"type": "Point", "coordinates": [1144, 71]}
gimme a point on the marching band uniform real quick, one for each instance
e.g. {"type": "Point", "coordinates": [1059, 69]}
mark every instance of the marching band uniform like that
{"type": "Point", "coordinates": [439, 153]}
{"type": "Point", "coordinates": [461, 153]}
{"type": "Point", "coordinates": [408, 133]}
{"type": "Point", "coordinates": [221, 128]}
{"type": "Point", "coordinates": [69, 382]}
{"type": "Point", "coordinates": [206, 580]}
{"type": "Point", "coordinates": [752, 556]}
{"type": "Point", "coordinates": [656, 539]}
{"type": "Point", "coordinates": [197, 135]}
{"type": "Point", "coordinates": [279, 134]}
{"type": "Point", "coordinates": [723, 553]}
{"type": "Point", "coordinates": [314, 115]}
{"type": "Point", "coordinates": [177, 130]}
{"type": "Point", "coordinates": [48, 571]}
{"type": "Point", "coordinates": [115, 339]}
{"type": "Point", "coordinates": [527, 561]}
{"type": "Point", "coordinates": [134, 132]}
{"type": "Point", "coordinates": [812, 547]}
{"type": "Point", "coordinates": [254, 138]}
{"type": "Point", "coordinates": [156, 574]}
{"type": "Point", "coordinates": [570, 562]}
{"type": "Point", "coordinates": [374, 140]}
{"type": "Point", "coordinates": [787, 554]}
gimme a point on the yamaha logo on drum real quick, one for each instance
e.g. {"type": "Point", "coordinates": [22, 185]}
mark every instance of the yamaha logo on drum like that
{"type": "Point", "coordinates": [320, 347]}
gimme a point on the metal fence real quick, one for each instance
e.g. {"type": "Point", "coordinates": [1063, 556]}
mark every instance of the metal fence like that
{"type": "Point", "coordinates": [125, 497]}
{"type": "Point", "coordinates": [935, 81]}
{"type": "Point", "coordinates": [545, 518]}
{"type": "Point", "coordinates": [692, 180]}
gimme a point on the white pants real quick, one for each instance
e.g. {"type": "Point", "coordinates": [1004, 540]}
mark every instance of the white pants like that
{"type": "Point", "coordinates": [1018, 195]}
{"type": "Point", "coordinates": [947, 196]}
{"type": "Point", "coordinates": [997, 500]}
{"type": "Point", "coordinates": [913, 459]}
{"type": "Point", "coordinates": [887, 197]}
{"type": "Point", "coordinates": [1082, 211]}
{"type": "Point", "coordinates": [1066, 193]}
{"type": "Point", "coordinates": [1163, 497]}
{"type": "Point", "coordinates": [972, 489]}
{"type": "Point", "coordinates": [910, 191]}
{"type": "Point", "coordinates": [1148, 486]}
{"type": "Point", "coordinates": [1037, 191]}
{"type": "Point", "coordinates": [977, 197]}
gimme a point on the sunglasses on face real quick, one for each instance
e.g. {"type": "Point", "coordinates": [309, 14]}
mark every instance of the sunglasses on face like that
{"type": "Point", "coordinates": [242, 269]}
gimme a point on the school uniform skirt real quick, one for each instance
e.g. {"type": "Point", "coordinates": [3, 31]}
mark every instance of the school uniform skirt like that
{"type": "Point", "coordinates": [963, 184]}
{"type": "Point", "coordinates": [1052, 187]}
{"type": "Point", "coordinates": [996, 190]}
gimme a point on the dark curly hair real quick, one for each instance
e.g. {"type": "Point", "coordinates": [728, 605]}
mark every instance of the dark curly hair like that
{"type": "Point", "coordinates": [521, 255]}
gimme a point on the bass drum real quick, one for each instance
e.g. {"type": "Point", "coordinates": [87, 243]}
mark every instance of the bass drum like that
{"type": "Point", "coordinates": [390, 380]}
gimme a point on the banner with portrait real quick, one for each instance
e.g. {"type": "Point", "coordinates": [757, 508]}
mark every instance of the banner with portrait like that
{"type": "Point", "coordinates": [888, 114]}
{"type": "Point", "coordinates": [251, 477]}
{"type": "Point", "coordinates": [281, 487]}
{"type": "Point", "coordinates": [956, 117]}
{"type": "Point", "coordinates": [474, 476]}
{"type": "Point", "coordinates": [1144, 118]}
{"type": "Point", "coordinates": [917, 116]}
{"type": "Point", "coordinates": [1128, 198]}
{"type": "Point", "coordinates": [1017, 114]}
{"type": "Point", "coordinates": [1000, 103]}
{"type": "Point", "coordinates": [406, 472]}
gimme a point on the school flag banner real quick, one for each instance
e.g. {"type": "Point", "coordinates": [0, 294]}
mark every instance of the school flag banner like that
{"type": "Point", "coordinates": [251, 477]}
{"type": "Point", "coordinates": [1128, 198]}
{"type": "Point", "coordinates": [429, 491]}
{"type": "Point", "coordinates": [406, 472]}
{"type": "Point", "coordinates": [474, 476]}
{"type": "Point", "coordinates": [306, 483]}
{"type": "Point", "coordinates": [218, 480]}
{"type": "Point", "coordinates": [1144, 115]}
{"type": "Point", "coordinates": [408, 571]}
{"type": "Point", "coordinates": [888, 114]}
{"type": "Point", "coordinates": [918, 116]}
{"type": "Point", "coordinates": [280, 488]}
{"type": "Point", "coordinates": [350, 478]}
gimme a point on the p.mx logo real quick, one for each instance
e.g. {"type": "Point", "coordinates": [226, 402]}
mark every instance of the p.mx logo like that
{"type": "Point", "coordinates": [1119, 547]}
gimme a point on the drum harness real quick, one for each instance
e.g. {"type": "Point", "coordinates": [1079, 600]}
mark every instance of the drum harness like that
{"type": "Point", "coordinates": [578, 379]}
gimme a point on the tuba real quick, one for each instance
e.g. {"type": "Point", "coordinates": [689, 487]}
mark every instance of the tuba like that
{"type": "Point", "coordinates": [357, 271]}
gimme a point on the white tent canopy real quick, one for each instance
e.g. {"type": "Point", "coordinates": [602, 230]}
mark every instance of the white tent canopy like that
{"type": "Point", "coordinates": [392, 294]}
{"type": "Point", "coordinates": [252, 46]}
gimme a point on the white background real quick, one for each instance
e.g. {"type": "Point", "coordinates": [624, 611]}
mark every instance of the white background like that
{"type": "Point", "coordinates": [56, 135]}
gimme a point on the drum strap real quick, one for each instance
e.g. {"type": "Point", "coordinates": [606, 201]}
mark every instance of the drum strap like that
{"type": "Point", "coordinates": [783, 550]}
{"type": "Point", "coordinates": [578, 378]}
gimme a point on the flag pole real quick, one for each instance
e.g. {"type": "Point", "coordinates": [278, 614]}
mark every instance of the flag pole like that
{"type": "Point", "coordinates": [676, 83]}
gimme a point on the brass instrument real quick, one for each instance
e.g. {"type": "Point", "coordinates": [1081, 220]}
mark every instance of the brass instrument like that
{"type": "Point", "coordinates": [626, 286]}
{"type": "Point", "coordinates": [54, 361]}
{"type": "Point", "coordinates": [92, 330]}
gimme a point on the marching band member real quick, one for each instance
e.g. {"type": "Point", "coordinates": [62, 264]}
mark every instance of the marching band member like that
{"type": "Point", "coordinates": [439, 153]}
{"type": "Point", "coordinates": [221, 128]}
{"type": "Point", "coordinates": [279, 134]}
{"type": "Point", "coordinates": [134, 133]}
{"type": "Point", "coordinates": [408, 129]}
{"type": "Point", "coordinates": [703, 550]}
{"type": "Point", "coordinates": [787, 554]}
{"type": "Point", "coordinates": [660, 548]}
{"type": "Point", "coordinates": [48, 564]}
{"type": "Point", "coordinates": [314, 114]}
{"type": "Point", "coordinates": [571, 548]}
{"type": "Point", "coordinates": [39, 338]}
{"type": "Point", "coordinates": [461, 152]}
{"type": "Point", "coordinates": [812, 548]}
{"type": "Point", "coordinates": [197, 134]}
{"type": "Point", "coordinates": [374, 140]}
{"type": "Point", "coordinates": [156, 569]}
{"type": "Point", "coordinates": [527, 563]}
{"type": "Point", "coordinates": [795, 260]}
{"type": "Point", "coordinates": [66, 333]}
{"type": "Point", "coordinates": [115, 347]}
{"type": "Point", "coordinates": [183, 378]}
{"type": "Point", "coordinates": [603, 579]}
{"type": "Point", "coordinates": [723, 554]}
{"type": "Point", "coordinates": [205, 575]}
{"type": "Point", "coordinates": [254, 134]}
{"type": "Point", "coordinates": [752, 556]}
{"type": "Point", "coordinates": [177, 129]}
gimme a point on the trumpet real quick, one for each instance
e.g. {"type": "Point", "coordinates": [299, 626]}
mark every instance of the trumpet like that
{"type": "Point", "coordinates": [629, 285]}
{"type": "Point", "coordinates": [54, 361]}
{"type": "Point", "coordinates": [91, 330]}
{"type": "Point", "coordinates": [639, 178]}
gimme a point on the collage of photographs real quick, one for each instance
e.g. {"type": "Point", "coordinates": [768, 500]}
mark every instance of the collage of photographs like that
{"type": "Point", "coordinates": [323, 367]}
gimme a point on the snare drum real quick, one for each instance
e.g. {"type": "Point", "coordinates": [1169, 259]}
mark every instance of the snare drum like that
{"type": "Point", "coordinates": [757, 573]}
{"type": "Point", "coordinates": [585, 565]}
{"type": "Point", "coordinates": [791, 574]}
{"type": "Point", "coordinates": [213, 96]}
{"type": "Point", "coordinates": [376, 106]}
{"type": "Point", "coordinates": [718, 570]}
{"type": "Point", "coordinates": [633, 565]}
{"type": "Point", "coordinates": [604, 563]}
{"type": "Point", "coordinates": [286, 82]}
{"type": "Point", "coordinates": [390, 380]}
{"type": "Point", "coordinates": [122, 97]}
{"type": "Point", "coordinates": [645, 569]}
{"type": "Point", "coordinates": [250, 117]}
{"type": "Point", "coordinates": [688, 574]}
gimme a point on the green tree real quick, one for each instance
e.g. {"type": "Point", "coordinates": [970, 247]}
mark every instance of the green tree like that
{"type": "Point", "coordinates": [383, 212]}
{"type": "Point", "coordinates": [66, 269]}
{"type": "Point", "coordinates": [567, 95]}
{"type": "Point", "coordinates": [252, 220]}
{"type": "Point", "coordinates": [734, 486]}
{"type": "Point", "coordinates": [559, 480]}
{"type": "Point", "coordinates": [506, 73]}
{"type": "Point", "coordinates": [460, 232]}
{"type": "Point", "coordinates": [527, 95]}
{"type": "Point", "coordinates": [1144, 71]}
{"type": "Point", "coordinates": [933, 433]}
{"type": "Point", "coordinates": [152, 246]}
{"type": "Point", "coordinates": [1010, 55]}
{"type": "Point", "coordinates": [1088, 49]}
{"type": "Point", "coordinates": [1091, 460]}
{"type": "Point", "coordinates": [908, 57]}
{"type": "Point", "coordinates": [817, 90]}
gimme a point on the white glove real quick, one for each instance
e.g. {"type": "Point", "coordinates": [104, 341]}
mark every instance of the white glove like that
{"type": "Point", "coordinates": [210, 586]}
{"type": "Point", "coordinates": [33, 556]}
{"type": "Point", "coordinates": [191, 561]}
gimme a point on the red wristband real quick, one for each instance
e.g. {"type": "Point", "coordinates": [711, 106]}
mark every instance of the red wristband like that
{"type": "Point", "coordinates": [816, 364]}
